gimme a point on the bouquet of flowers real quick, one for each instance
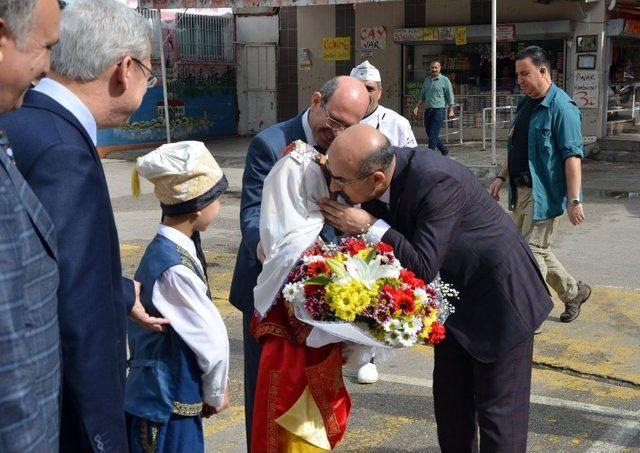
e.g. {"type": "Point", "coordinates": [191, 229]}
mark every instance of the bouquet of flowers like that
{"type": "Point", "coordinates": [359, 292]}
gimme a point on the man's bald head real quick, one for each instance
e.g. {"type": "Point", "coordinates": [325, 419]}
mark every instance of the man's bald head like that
{"type": "Point", "coordinates": [356, 145]}
{"type": "Point", "coordinates": [361, 162]}
{"type": "Point", "coordinates": [340, 103]}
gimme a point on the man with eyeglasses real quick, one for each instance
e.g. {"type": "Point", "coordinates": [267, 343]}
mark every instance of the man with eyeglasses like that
{"type": "Point", "coordinates": [340, 103]}
{"type": "Point", "coordinates": [100, 72]}
{"type": "Point", "coordinates": [393, 125]}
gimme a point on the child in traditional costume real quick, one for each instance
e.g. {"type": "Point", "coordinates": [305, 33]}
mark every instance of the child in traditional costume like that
{"type": "Point", "coordinates": [180, 375]}
{"type": "Point", "coordinates": [301, 404]}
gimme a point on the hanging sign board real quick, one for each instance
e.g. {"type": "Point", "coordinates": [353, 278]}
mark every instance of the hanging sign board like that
{"type": "Point", "coordinates": [461, 36]}
{"type": "Point", "coordinates": [407, 34]}
{"type": "Point", "coordinates": [506, 32]}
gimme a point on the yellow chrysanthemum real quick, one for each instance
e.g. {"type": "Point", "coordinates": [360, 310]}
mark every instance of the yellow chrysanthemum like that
{"type": "Point", "coordinates": [349, 299]}
{"type": "Point", "coordinates": [426, 322]}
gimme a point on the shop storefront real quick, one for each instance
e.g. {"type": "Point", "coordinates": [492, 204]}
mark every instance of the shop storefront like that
{"type": "Point", "coordinates": [623, 88]}
{"type": "Point", "coordinates": [465, 54]}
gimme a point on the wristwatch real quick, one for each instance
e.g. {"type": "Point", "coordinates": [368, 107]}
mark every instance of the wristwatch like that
{"type": "Point", "coordinates": [575, 201]}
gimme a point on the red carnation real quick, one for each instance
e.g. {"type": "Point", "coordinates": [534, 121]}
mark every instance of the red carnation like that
{"type": "Point", "coordinates": [355, 245]}
{"type": "Point", "coordinates": [316, 268]}
{"type": "Point", "coordinates": [384, 248]}
{"type": "Point", "coordinates": [437, 333]}
{"type": "Point", "coordinates": [404, 301]}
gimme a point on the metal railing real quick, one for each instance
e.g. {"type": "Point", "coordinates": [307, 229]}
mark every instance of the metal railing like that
{"type": "Point", "coordinates": [510, 108]}
{"type": "Point", "coordinates": [457, 118]}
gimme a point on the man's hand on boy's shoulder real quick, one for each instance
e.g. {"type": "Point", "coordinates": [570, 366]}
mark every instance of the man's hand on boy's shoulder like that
{"type": "Point", "coordinates": [141, 317]}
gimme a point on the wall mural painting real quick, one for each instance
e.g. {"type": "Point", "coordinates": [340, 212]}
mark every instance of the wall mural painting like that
{"type": "Point", "coordinates": [201, 98]}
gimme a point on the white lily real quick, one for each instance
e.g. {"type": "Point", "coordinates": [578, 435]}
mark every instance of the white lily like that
{"type": "Point", "coordinates": [368, 273]}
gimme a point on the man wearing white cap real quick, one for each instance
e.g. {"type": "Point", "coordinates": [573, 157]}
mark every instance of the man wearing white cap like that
{"type": "Point", "coordinates": [393, 125]}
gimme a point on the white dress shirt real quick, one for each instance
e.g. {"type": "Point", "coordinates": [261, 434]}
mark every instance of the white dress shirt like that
{"type": "Point", "coordinates": [308, 133]}
{"type": "Point", "coordinates": [379, 228]}
{"type": "Point", "coordinates": [181, 296]}
{"type": "Point", "coordinates": [65, 97]}
{"type": "Point", "coordinates": [393, 125]}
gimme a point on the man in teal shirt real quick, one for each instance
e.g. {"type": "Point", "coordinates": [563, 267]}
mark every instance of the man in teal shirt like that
{"type": "Point", "coordinates": [437, 93]}
{"type": "Point", "coordinates": [544, 171]}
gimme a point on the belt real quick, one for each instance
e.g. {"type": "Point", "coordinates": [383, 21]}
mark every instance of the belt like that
{"type": "Point", "coordinates": [522, 181]}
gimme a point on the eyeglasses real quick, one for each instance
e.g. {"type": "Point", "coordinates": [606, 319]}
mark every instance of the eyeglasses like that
{"type": "Point", "coordinates": [332, 123]}
{"type": "Point", "coordinates": [151, 78]}
{"type": "Point", "coordinates": [345, 182]}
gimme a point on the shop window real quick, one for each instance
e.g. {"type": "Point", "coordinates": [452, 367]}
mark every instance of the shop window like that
{"type": "Point", "coordinates": [469, 69]}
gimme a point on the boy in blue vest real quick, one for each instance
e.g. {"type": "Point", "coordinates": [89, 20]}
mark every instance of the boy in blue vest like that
{"type": "Point", "coordinates": [179, 376]}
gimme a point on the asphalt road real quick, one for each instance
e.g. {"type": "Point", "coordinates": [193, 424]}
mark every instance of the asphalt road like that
{"type": "Point", "coordinates": [571, 411]}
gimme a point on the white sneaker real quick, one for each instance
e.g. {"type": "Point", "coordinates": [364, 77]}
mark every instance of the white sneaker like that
{"type": "Point", "coordinates": [368, 374]}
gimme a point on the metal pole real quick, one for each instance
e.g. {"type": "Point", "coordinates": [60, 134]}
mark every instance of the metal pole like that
{"type": "Point", "coordinates": [163, 68]}
{"type": "Point", "coordinates": [494, 58]}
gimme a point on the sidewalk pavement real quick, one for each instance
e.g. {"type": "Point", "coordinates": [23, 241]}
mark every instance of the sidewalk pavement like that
{"type": "Point", "coordinates": [603, 343]}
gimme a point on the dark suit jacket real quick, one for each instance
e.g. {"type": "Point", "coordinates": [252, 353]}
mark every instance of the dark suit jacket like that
{"type": "Point", "coordinates": [264, 151]}
{"type": "Point", "coordinates": [59, 161]}
{"type": "Point", "coordinates": [444, 221]}
{"type": "Point", "coordinates": [29, 335]}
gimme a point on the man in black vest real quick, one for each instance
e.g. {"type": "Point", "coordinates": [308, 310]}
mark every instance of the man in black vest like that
{"type": "Point", "coordinates": [439, 218]}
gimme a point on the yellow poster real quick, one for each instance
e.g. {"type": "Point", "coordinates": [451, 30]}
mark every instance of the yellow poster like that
{"type": "Point", "coordinates": [461, 36]}
{"type": "Point", "coordinates": [430, 34]}
{"type": "Point", "coordinates": [336, 49]}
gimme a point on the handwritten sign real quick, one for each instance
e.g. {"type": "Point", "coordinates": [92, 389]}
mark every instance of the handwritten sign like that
{"type": "Point", "coordinates": [336, 49]}
{"type": "Point", "coordinates": [373, 38]}
{"type": "Point", "coordinates": [461, 36]}
{"type": "Point", "coordinates": [430, 34]}
{"type": "Point", "coordinates": [585, 89]}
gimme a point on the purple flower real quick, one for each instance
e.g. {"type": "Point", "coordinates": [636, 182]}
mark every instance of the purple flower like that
{"type": "Point", "coordinates": [317, 306]}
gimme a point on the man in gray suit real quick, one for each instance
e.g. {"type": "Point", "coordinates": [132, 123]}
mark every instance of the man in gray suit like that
{"type": "Point", "coordinates": [29, 335]}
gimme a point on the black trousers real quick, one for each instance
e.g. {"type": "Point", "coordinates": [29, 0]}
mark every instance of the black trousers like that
{"type": "Point", "coordinates": [493, 397]}
{"type": "Point", "coordinates": [251, 362]}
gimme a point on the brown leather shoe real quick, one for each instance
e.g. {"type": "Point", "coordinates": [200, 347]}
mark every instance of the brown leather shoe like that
{"type": "Point", "coordinates": [572, 308]}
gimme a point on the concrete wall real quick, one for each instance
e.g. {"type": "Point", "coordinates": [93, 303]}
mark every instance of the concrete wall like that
{"type": "Point", "coordinates": [448, 12]}
{"type": "Point", "coordinates": [314, 23]}
{"type": "Point", "coordinates": [391, 16]}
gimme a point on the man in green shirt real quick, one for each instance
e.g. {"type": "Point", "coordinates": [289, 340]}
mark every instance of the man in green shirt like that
{"type": "Point", "coordinates": [544, 171]}
{"type": "Point", "coordinates": [437, 93]}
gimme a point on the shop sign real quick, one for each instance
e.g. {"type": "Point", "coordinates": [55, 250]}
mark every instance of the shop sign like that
{"type": "Point", "coordinates": [461, 36]}
{"type": "Point", "coordinates": [430, 34]}
{"type": "Point", "coordinates": [506, 32]}
{"type": "Point", "coordinates": [373, 38]}
{"type": "Point", "coordinates": [407, 34]}
{"type": "Point", "coordinates": [446, 34]}
{"type": "Point", "coordinates": [336, 49]}
{"type": "Point", "coordinates": [631, 27]}
{"type": "Point", "coordinates": [585, 89]}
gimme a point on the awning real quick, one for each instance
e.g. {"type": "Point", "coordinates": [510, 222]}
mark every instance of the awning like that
{"type": "Point", "coordinates": [171, 4]}
{"type": "Point", "coordinates": [626, 28]}
{"type": "Point", "coordinates": [523, 31]}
